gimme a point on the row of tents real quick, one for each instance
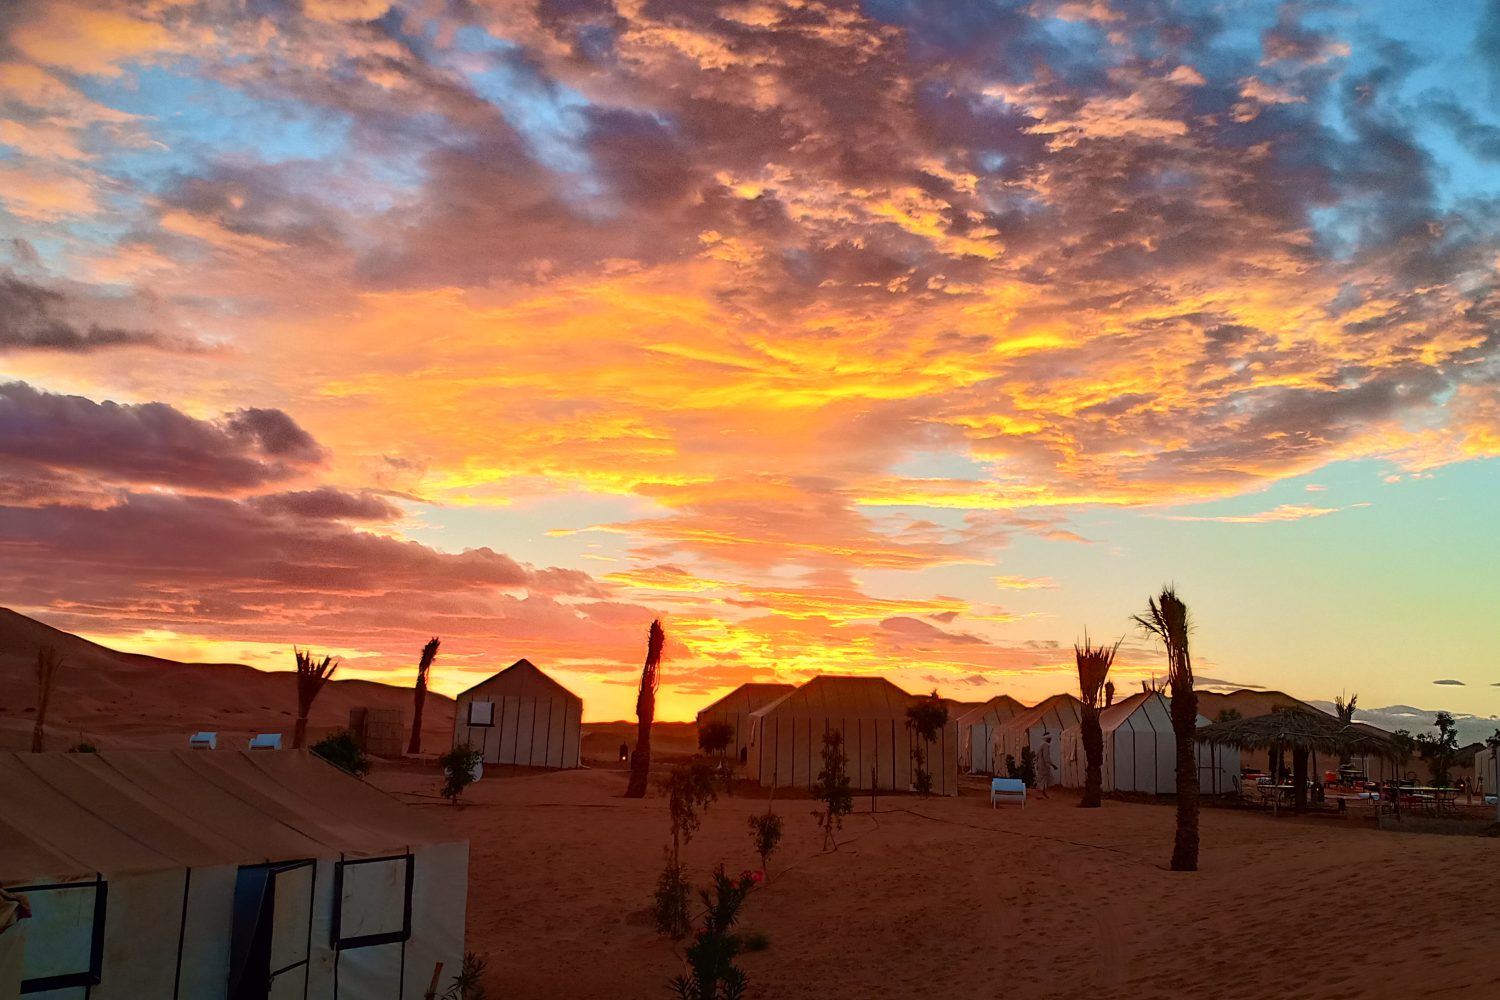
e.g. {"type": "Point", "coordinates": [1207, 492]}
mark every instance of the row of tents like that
{"type": "Point", "coordinates": [778, 734]}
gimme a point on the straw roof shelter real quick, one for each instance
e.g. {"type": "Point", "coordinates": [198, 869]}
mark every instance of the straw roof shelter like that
{"type": "Point", "coordinates": [1301, 732]}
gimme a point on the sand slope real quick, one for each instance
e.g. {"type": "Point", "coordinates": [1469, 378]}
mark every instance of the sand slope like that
{"type": "Point", "coordinates": [947, 897]}
{"type": "Point", "coordinates": [125, 700]}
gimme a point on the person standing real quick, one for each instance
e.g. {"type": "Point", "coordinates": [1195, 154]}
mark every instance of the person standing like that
{"type": "Point", "coordinates": [1044, 767]}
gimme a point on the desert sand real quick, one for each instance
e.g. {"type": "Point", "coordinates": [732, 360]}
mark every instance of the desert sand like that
{"type": "Point", "coordinates": [948, 897]}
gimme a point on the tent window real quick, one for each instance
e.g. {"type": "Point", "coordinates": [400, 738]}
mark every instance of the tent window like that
{"type": "Point", "coordinates": [65, 935]}
{"type": "Point", "coordinates": [481, 713]}
{"type": "Point", "coordinates": [372, 901]}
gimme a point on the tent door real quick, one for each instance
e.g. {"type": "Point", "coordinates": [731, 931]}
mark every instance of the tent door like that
{"type": "Point", "coordinates": [273, 907]}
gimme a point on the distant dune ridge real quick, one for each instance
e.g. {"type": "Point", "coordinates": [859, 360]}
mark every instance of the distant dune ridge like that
{"type": "Point", "coordinates": [129, 700]}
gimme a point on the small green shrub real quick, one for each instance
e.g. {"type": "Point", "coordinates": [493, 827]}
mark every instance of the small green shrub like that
{"type": "Point", "coordinates": [765, 833]}
{"type": "Point", "coordinates": [671, 901]}
{"type": "Point", "coordinates": [711, 973]}
{"type": "Point", "coordinates": [753, 941]}
{"type": "Point", "coordinates": [342, 750]}
{"type": "Point", "coordinates": [465, 985]}
{"type": "Point", "coordinates": [458, 767]}
{"type": "Point", "coordinates": [83, 748]}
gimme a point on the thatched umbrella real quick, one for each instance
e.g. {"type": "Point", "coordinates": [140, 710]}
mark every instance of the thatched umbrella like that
{"type": "Point", "coordinates": [1302, 732]}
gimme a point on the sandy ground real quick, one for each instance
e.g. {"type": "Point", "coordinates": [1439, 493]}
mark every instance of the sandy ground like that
{"type": "Point", "coordinates": [947, 897]}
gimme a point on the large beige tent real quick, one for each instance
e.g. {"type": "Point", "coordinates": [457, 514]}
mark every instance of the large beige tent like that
{"type": "Point", "coordinates": [786, 737]}
{"type": "Point", "coordinates": [1059, 712]}
{"type": "Point", "coordinates": [1487, 770]}
{"type": "Point", "coordinates": [976, 731]}
{"type": "Point", "coordinates": [735, 709]}
{"type": "Point", "coordinates": [1140, 751]}
{"type": "Point", "coordinates": [181, 874]}
{"type": "Point", "coordinates": [520, 716]}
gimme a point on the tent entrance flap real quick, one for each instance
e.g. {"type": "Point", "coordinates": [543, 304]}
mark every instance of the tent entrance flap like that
{"type": "Point", "coordinates": [272, 931]}
{"type": "Point", "coordinates": [65, 936]}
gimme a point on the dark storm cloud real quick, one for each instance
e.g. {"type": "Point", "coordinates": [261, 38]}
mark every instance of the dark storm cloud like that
{"type": "Point", "coordinates": [42, 318]}
{"type": "Point", "coordinates": [150, 442]}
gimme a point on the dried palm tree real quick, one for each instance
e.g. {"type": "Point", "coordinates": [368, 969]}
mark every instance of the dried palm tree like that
{"type": "Point", "coordinates": [311, 677]}
{"type": "Point", "coordinates": [48, 663]}
{"type": "Point", "coordinates": [645, 710]}
{"type": "Point", "coordinates": [419, 696]}
{"type": "Point", "coordinates": [1167, 619]}
{"type": "Point", "coordinates": [1093, 678]}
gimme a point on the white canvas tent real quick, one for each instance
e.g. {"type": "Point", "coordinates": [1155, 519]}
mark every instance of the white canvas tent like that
{"type": "Point", "coordinates": [178, 874]}
{"type": "Point", "coordinates": [520, 716]}
{"type": "Point", "coordinates": [976, 731]}
{"type": "Point", "coordinates": [1140, 751]}
{"type": "Point", "coordinates": [786, 737]}
{"type": "Point", "coordinates": [735, 709]}
{"type": "Point", "coordinates": [1057, 713]}
{"type": "Point", "coordinates": [1487, 770]}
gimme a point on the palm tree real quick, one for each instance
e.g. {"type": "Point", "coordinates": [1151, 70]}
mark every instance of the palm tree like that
{"type": "Point", "coordinates": [1167, 619]}
{"type": "Point", "coordinates": [48, 663]}
{"type": "Point", "coordinates": [429, 653]}
{"type": "Point", "coordinates": [1345, 710]}
{"type": "Point", "coordinates": [311, 677]}
{"type": "Point", "coordinates": [645, 711]}
{"type": "Point", "coordinates": [1093, 679]}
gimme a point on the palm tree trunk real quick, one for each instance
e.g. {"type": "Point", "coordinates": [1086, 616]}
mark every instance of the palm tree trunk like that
{"type": "Point", "coordinates": [419, 696]}
{"type": "Point", "coordinates": [1093, 751]}
{"type": "Point", "coordinates": [1184, 728]}
{"type": "Point", "coordinates": [299, 733]}
{"type": "Point", "coordinates": [47, 665]}
{"type": "Point", "coordinates": [1299, 779]}
{"type": "Point", "coordinates": [645, 710]}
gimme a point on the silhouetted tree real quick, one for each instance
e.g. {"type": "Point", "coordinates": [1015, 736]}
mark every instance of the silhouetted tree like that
{"type": "Point", "coordinates": [1438, 749]}
{"type": "Point", "coordinates": [1093, 676]}
{"type": "Point", "coordinates": [1167, 619]}
{"type": "Point", "coordinates": [311, 677]}
{"type": "Point", "coordinates": [48, 663]}
{"type": "Point", "coordinates": [925, 718]}
{"type": "Point", "coordinates": [1345, 710]}
{"type": "Point", "coordinates": [715, 737]}
{"type": "Point", "coordinates": [645, 711]}
{"type": "Point", "coordinates": [419, 696]}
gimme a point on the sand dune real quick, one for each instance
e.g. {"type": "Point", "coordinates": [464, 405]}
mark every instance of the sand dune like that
{"type": "Point", "coordinates": [127, 700]}
{"type": "Point", "coordinates": [946, 897]}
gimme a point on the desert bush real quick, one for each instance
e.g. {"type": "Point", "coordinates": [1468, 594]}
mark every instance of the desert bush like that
{"type": "Point", "coordinates": [458, 767]}
{"type": "Point", "coordinates": [833, 788]}
{"type": "Point", "coordinates": [711, 973]}
{"type": "Point", "coordinates": [765, 832]}
{"type": "Point", "coordinates": [925, 719]}
{"type": "Point", "coordinates": [342, 750]}
{"type": "Point", "coordinates": [83, 748]}
{"type": "Point", "coordinates": [690, 788]}
{"type": "Point", "coordinates": [465, 985]}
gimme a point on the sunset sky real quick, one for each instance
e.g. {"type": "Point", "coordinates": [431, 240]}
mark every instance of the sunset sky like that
{"type": "Point", "coordinates": [898, 337]}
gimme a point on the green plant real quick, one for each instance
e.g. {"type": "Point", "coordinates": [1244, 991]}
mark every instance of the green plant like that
{"type": "Point", "coordinates": [833, 788]}
{"type": "Point", "coordinates": [83, 748]}
{"type": "Point", "coordinates": [458, 767]}
{"type": "Point", "coordinates": [1440, 748]}
{"type": "Point", "coordinates": [342, 750]}
{"type": "Point", "coordinates": [715, 737]}
{"type": "Point", "coordinates": [765, 833]}
{"type": "Point", "coordinates": [925, 718]}
{"type": "Point", "coordinates": [690, 788]}
{"type": "Point", "coordinates": [670, 903]}
{"type": "Point", "coordinates": [1228, 715]}
{"type": "Point", "coordinates": [465, 985]}
{"type": "Point", "coordinates": [711, 973]}
{"type": "Point", "coordinates": [754, 941]}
